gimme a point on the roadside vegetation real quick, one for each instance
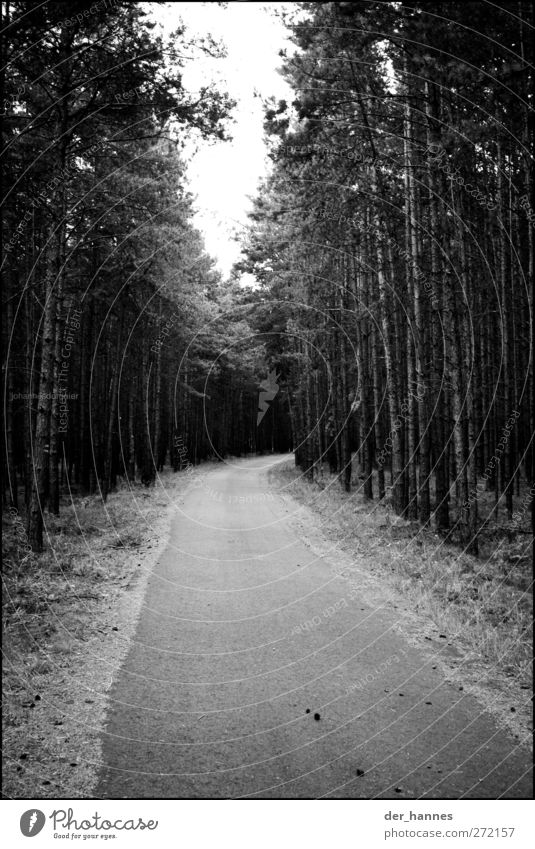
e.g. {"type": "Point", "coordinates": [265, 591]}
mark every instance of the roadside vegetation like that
{"type": "Point", "coordinates": [68, 616]}
{"type": "Point", "coordinates": [482, 606]}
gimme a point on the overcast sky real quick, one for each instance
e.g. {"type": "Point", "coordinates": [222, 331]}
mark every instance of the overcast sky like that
{"type": "Point", "coordinates": [223, 175]}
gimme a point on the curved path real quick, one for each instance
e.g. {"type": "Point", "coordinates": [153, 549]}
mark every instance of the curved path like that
{"type": "Point", "coordinates": [258, 671]}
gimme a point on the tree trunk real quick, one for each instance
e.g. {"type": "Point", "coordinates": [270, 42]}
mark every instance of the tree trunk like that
{"type": "Point", "coordinates": [42, 426]}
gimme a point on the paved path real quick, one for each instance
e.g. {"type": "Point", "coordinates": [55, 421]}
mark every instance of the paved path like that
{"type": "Point", "coordinates": [245, 637]}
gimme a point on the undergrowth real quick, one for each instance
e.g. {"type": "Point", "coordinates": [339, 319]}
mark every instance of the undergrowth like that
{"type": "Point", "coordinates": [485, 601]}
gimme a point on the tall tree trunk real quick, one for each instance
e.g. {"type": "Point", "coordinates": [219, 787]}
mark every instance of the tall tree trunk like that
{"type": "Point", "coordinates": [11, 469]}
{"type": "Point", "coordinates": [42, 426]}
{"type": "Point", "coordinates": [377, 403]}
{"type": "Point", "coordinates": [398, 494]}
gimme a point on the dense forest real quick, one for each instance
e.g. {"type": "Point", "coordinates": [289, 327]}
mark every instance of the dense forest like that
{"type": "Point", "coordinates": [123, 349]}
{"type": "Point", "coordinates": [394, 244]}
{"type": "Point", "coordinates": [268, 405]}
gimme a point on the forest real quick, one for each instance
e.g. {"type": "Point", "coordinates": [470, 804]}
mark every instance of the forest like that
{"type": "Point", "coordinates": [268, 481]}
{"type": "Point", "coordinates": [394, 242]}
{"type": "Point", "coordinates": [391, 243]}
{"type": "Point", "coordinates": [122, 344]}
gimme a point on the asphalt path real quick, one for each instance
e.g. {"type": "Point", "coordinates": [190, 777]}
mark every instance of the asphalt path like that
{"type": "Point", "coordinates": [258, 671]}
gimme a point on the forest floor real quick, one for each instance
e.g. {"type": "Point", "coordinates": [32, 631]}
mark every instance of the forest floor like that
{"type": "Point", "coordinates": [77, 617]}
{"type": "Point", "coordinates": [483, 605]}
{"type": "Point", "coordinates": [69, 616]}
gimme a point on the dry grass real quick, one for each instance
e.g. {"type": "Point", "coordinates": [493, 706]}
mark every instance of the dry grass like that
{"type": "Point", "coordinates": [69, 614]}
{"type": "Point", "coordinates": [483, 605]}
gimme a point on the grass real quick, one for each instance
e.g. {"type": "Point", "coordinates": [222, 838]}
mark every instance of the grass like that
{"type": "Point", "coordinates": [484, 603]}
{"type": "Point", "coordinates": [68, 616]}
{"type": "Point", "coordinates": [64, 607]}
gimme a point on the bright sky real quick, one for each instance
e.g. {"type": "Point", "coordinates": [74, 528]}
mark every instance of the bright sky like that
{"type": "Point", "coordinates": [224, 175]}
